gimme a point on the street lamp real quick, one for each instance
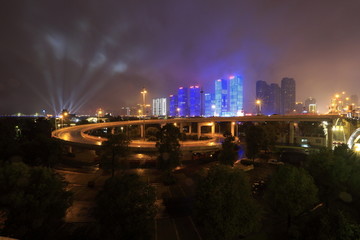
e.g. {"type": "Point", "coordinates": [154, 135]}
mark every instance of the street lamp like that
{"type": "Point", "coordinates": [258, 104]}
{"type": "Point", "coordinates": [144, 92]}
{"type": "Point", "coordinates": [61, 121]}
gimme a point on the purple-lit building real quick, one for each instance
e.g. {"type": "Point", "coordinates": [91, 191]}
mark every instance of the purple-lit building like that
{"type": "Point", "coordinates": [183, 98]}
{"type": "Point", "coordinates": [173, 105]}
{"type": "Point", "coordinates": [195, 101]}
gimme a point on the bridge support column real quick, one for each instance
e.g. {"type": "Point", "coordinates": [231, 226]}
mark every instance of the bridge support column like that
{"type": "Point", "coordinates": [142, 130]}
{"type": "Point", "coordinates": [70, 149]}
{"type": "Point", "coordinates": [329, 136]}
{"type": "Point", "coordinates": [181, 126]}
{"type": "Point", "coordinates": [112, 131]}
{"type": "Point", "coordinates": [190, 130]}
{"type": "Point", "coordinates": [291, 132]}
{"type": "Point", "coordinates": [199, 125]}
{"type": "Point", "coordinates": [212, 129]}
{"type": "Point", "coordinates": [233, 125]}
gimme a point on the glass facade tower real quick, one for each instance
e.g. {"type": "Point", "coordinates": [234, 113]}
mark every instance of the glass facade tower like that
{"type": "Point", "coordinates": [195, 101]}
{"type": "Point", "coordinates": [183, 102]}
{"type": "Point", "coordinates": [173, 105]}
{"type": "Point", "coordinates": [229, 97]}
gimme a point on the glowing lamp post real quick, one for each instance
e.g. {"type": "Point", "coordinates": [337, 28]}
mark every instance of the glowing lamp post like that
{"type": "Point", "coordinates": [144, 92]}
{"type": "Point", "coordinates": [258, 106]}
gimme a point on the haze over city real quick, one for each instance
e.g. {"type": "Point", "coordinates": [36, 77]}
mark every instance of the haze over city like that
{"type": "Point", "coordinates": [82, 55]}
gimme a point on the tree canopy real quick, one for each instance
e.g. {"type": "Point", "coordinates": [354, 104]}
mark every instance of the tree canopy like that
{"type": "Point", "coordinates": [224, 205]}
{"type": "Point", "coordinates": [124, 208]}
{"type": "Point", "coordinates": [33, 199]}
{"type": "Point", "coordinates": [116, 146]}
{"type": "Point", "coordinates": [291, 191]}
{"type": "Point", "coordinates": [228, 154]}
{"type": "Point", "coordinates": [168, 146]}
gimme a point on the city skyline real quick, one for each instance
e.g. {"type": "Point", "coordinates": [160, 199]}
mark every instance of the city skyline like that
{"type": "Point", "coordinates": [85, 56]}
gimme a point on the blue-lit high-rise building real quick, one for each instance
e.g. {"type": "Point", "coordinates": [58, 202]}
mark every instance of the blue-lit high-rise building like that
{"type": "Point", "coordinates": [195, 101]}
{"type": "Point", "coordinates": [236, 97]}
{"type": "Point", "coordinates": [221, 97]}
{"type": "Point", "coordinates": [229, 96]}
{"type": "Point", "coordinates": [209, 105]}
{"type": "Point", "coordinates": [173, 105]}
{"type": "Point", "coordinates": [183, 98]}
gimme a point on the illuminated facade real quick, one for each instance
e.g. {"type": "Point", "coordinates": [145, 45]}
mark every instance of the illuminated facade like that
{"type": "Point", "coordinates": [229, 97]}
{"type": "Point", "coordinates": [195, 101]}
{"type": "Point", "coordinates": [159, 107]}
{"type": "Point", "coordinates": [236, 96]}
{"type": "Point", "coordinates": [173, 105]}
{"type": "Point", "coordinates": [209, 105]}
{"type": "Point", "coordinates": [183, 107]}
{"type": "Point", "coordinates": [310, 105]}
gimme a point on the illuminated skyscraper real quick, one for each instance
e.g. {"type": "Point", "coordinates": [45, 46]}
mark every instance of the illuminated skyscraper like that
{"type": "Point", "coordinates": [173, 105]}
{"type": "Point", "coordinates": [183, 102]}
{"type": "Point", "coordinates": [229, 96]}
{"type": "Point", "coordinates": [221, 97]}
{"type": "Point", "coordinates": [287, 95]}
{"type": "Point", "coordinates": [236, 96]}
{"type": "Point", "coordinates": [209, 104]}
{"type": "Point", "coordinates": [159, 107]}
{"type": "Point", "coordinates": [195, 101]}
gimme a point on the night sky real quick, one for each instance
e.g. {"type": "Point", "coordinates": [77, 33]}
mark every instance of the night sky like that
{"type": "Point", "coordinates": [87, 54]}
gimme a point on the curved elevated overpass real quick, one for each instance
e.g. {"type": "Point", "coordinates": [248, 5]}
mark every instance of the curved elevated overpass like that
{"type": "Point", "coordinates": [78, 136]}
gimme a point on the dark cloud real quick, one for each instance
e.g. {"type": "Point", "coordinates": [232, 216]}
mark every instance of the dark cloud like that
{"type": "Point", "coordinates": [86, 54]}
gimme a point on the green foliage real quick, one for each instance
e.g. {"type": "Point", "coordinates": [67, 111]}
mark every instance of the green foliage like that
{"type": "Point", "coordinates": [311, 129]}
{"type": "Point", "coordinates": [254, 140]}
{"type": "Point", "coordinates": [291, 191]}
{"type": "Point", "coordinates": [334, 172]}
{"type": "Point", "coordinates": [169, 147]}
{"type": "Point", "coordinates": [151, 132]}
{"type": "Point", "coordinates": [125, 207]}
{"type": "Point", "coordinates": [228, 154]}
{"type": "Point", "coordinates": [224, 204]}
{"type": "Point", "coordinates": [117, 146]}
{"type": "Point", "coordinates": [34, 201]}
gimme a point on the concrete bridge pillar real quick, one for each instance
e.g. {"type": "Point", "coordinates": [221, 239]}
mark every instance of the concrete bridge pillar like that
{"type": "Point", "coordinates": [142, 130]}
{"type": "Point", "coordinates": [329, 136]}
{"type": "Point", "coordinates": [212, 129]}
{"type": "Point", "coordinates": [190, 128]}
{"type": "Point", "coordinates": [199, 125]}
{"type": "Point", "coordinates": [233, 126]}
{"type": "Point", "coordinates": [112, 131]}
{"type": "Point", "coordinates": [181, 126]}
{"type": "Point", "coordinates": [291, 132]}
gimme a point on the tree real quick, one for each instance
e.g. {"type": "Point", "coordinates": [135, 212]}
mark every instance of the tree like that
{"type": "Point", "coordinates": [334, 172]}
{"type": "Point", "coordinates": [125, 207]}
{"type": "Point", "coordinates": [224, 205]}
{"type": "Point", "coordinates": [116, 146]}
{"type": "Point", "coordinates": [33, 199]}
{"type": "Point", "coordinates": [151, 132]}
{"type": "Point", "coordinates": [254, 140]}
{"type": "Point", "coordinates": [228, 154]}
{"type": "Point", "coordinates": [169, 147]}
{"type": "Point", "coordinates": [291, 191]}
